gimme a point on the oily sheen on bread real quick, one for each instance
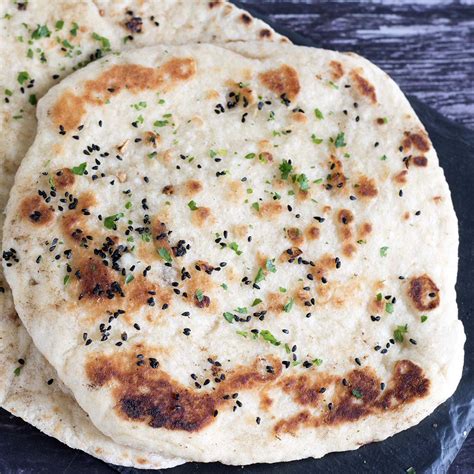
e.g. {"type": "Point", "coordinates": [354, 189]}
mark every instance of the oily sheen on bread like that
{"type": "Point", "coordinates": [242, 254]}
{"type": "Point", "coordinates": [41, 43]}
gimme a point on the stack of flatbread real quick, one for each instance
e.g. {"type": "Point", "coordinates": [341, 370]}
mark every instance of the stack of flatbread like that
{"type": "Point", "coordinates": [218, 246]}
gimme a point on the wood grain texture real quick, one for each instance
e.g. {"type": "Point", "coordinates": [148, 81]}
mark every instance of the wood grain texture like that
{"type": "Point", "coordinates": [426, 46]}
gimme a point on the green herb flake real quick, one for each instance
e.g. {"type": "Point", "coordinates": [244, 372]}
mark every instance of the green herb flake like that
{"type": "Point", "coordinates": [361, 241]}
{"type": "Point", "coordinates": [109, 222]}
{"type": "Point", "coordinates": [229, 317]}
{"type": "Point", "coordinates": [66, 280]}
{"type": "Point", "coordinates": [285, 169]}
{"type": "Point", "coordinates": [287, 349]}
{"type": "Point", "coordinates": [256, 301]}
{"type": "Point", "coordinates": [129, 279]}
{"type": "Point", "coordinates": [103, 41]}
{"type": "Point", "coordinates": [32, 99]}
{"type": "Point", "coordinates": [256, 206]}
{"type": "Point", "coordinates": [29, 53]}
{"type": "Point", "coordinates": [389, 308]}
{"type": "Point", "coordinates": [241, 310]}
{"type": "Point", "coordinates": [318, 114]}
{"type": "Point", "coordinates": [357, 393]}
{"type": "Point", "coordinates": [8, 92]}
{"type": "Point", "coordinates": [411, 470]}
{"type": "Point", "coordinates": [399, 332]}
{"type": "Point", "coordinates": [317, 362]}
{"type": "Point", "coordinates": [269, 337]}
{"type": "Point", "coordinates": [164, 254]}
{"type": "Point", "coordinates": [41, 31]}
{"type": "Point", "coordinates": [250, 156]}
{"type": "Point", "coordinates": [282, 290]}
{"type": "Point", "coordinates": [383, 157]}
{"type": "Point", "coordinates": [383, 251]}
{"type": "Point", "coordinates": [79, 170]}
{"type": "Point", "coordinates": [22, 77]}
{"type": "Point", "coordinates": [316, 140]}
{"type": "Point", "coordinates": [128, 205]}
{"type": "Point", "coordinates": [379, 296]}
{"type": "Point", "coordinates": [260, 276]}
{"type": "Point", "coordinates": [192, 205]}
{"type": "Point", "coordinates": [339, 141]}
{"type": "Point", "coordinates": [59, 25]}
{"type": "Point", "coordinates": [270, 265]}
{"type": "Point", "coordinates": [242, 333]}
{"type": "Point", "coordinates": [288, 306]}
{"type": "Point", "coordinates": [424, 318]}
{"type": "Point", "coordinates": [333, 85]}
{"type": "Point", "coordinates": [199, 295]}
{"type": "Point", "coordinates": [235, 247]}
{"type": "Point", "coordinates": [224, 286]}
{"type": "Point", "coordinates": [74, 29]}
{"type": "Point", "coordinates": [17, 371]}
{"type": "Point", "coordinates": [303, 182]}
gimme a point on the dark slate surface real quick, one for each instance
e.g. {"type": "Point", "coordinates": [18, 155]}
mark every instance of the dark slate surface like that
{"type": "Point", "coordinates": [428, 47]}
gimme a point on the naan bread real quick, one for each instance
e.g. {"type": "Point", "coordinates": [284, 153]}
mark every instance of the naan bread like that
{"type": "Point", "coordinates": [41, 43]}
{"type": "Point", "coordinates": [238, 256]}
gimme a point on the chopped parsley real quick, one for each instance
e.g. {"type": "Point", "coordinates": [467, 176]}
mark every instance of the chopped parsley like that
{"type": "Point", "coordinates": [192, 206]}
{"type": "Point", "coordinates": [357, 393]}
{"type": "Point", "coordinates": [269, 337]}
{"type": "Point", "coordinates": [339, 141]}
{"type": "Point", "coordinates": [285, 169]}
{"type": "Point", "coordinates": [105, 43]}
{"type": "Point", "coordinates": [74, 29]}
{"type": "Point", "coordinates": [383, 251]}
{"type": "Point", "coordinates": [235, 247]}
{"type": "Point", "coordinates": [424, 318]}
{"type": "Point", "coordinates": [399, 332]}
{"type": "Point", "coordinates": [129, 279]}
{"type": "Point", "coordinates": [164, 254]}
{"type": "Point", "coordinates": [389, 308]}
{"type": "Point", "coordinates": [383, 157]}
{"type": "Point", "coordinates": [66, 280]}
{"type": "Point", "coordinates": [59, 25]}
{"type": "Point", "coordinates": [316, 140]}
{"type": "Point", "coordinates": [32, 99]}
{"type": "Point", "coordinates": [199, 295]}
{"type": "Point", "coordinates": [260, 276]}
{"type": "Point", "coordinates": [229, 317]}
{"type": "Point", "coordinates": [288, 305]}
{"type": "Point", "coordinates": [317, 362]}
{"type": "Point", "coordinates": [250, 156]}
{"type": "Point", "coordinates": [79, 170]}
{"type": "Point", "coordinates": [17, 371]}
{"type": "Point", "coordinates": [270, 265]}
{"type": "Point", "coordinates": [256, 301]}
{"type": "Point", "coordinates": [109, 222]}
{"type": "Point", "coordinates": [256, 206]}
{"type": "Point", "coordinates": [22, 77]}
{"type": "Point", "coordinates": [302, 180]}
{"type": "Point", "coordinates": [319, 115]}
{"type": "Point", "coordinates": [41, 31]}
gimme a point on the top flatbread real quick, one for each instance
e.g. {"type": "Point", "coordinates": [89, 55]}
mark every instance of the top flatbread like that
{"type": "Point", "coordinates": [41, 43]}
{"type": "Point", "coordinates": [242, 256]}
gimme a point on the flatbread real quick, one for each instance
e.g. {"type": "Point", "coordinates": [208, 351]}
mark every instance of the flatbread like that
{"type": "Point", "coordinates": [239, 256]}
{"type": "Point", "coordinates": [27, 46]}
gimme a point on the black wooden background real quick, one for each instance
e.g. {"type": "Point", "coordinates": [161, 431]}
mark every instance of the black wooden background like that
{"type": "Point", "coordinates": [426, 46]}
